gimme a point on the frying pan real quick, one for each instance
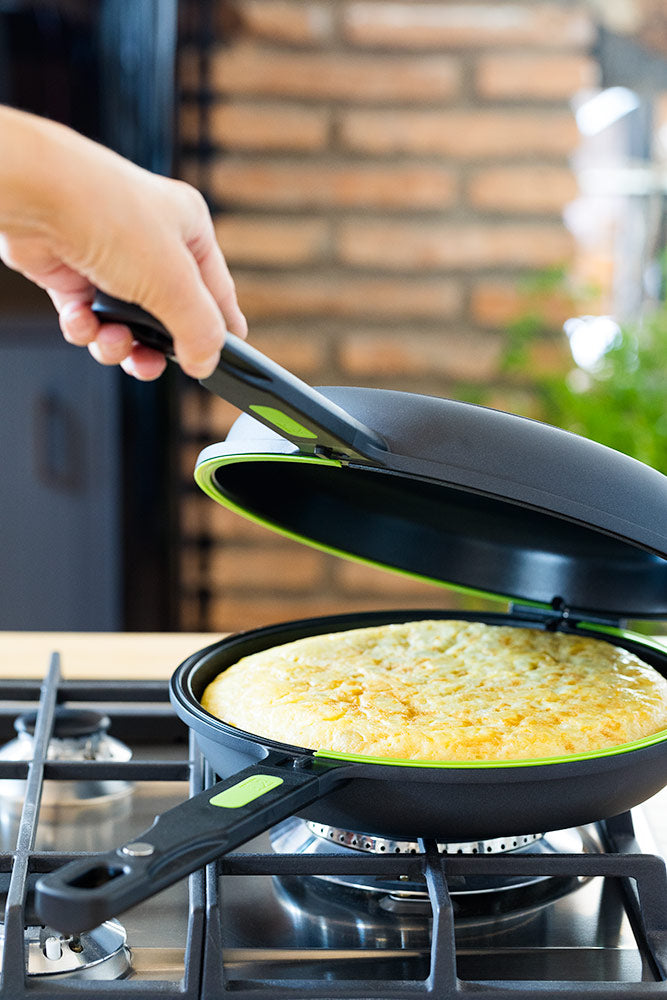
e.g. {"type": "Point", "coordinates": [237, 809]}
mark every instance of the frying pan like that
{"type": "Point", "coordinates": [442, 490]}
{"type": "Point", "coordinates": [266, 781]}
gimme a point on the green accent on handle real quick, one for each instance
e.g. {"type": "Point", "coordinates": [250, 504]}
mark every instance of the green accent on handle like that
{"type": "Point", "coordinates": [246, 791]}
{"type": "Point", "coordinates": [283, 422]}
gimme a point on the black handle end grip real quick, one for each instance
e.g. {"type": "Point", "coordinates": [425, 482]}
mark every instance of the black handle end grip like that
{"type": "Point", "coordinates": [144, 326]}
{"type": "Point", "coordinates": [96, 889]}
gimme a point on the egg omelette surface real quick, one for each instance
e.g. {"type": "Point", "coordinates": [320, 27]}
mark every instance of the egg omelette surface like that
{"type": "Point", "coordinates": [444, 690]}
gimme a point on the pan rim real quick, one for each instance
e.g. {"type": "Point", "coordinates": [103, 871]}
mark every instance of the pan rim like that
{"type": "Point", "coordinates": [183, 696]}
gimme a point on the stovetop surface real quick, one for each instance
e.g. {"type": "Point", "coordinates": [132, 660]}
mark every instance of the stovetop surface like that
{"type": "Point", "coordinates": [258, 924]}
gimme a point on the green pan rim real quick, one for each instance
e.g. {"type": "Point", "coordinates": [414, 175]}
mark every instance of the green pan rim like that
{"type": "Point", "coordinates": [204, 473]}
{"type": "Point", "coordinates": [485, 765]}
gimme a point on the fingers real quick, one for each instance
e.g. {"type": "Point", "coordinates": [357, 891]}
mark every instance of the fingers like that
{"type": "Point", "coordinates": [109, 343]}
{"type": "Point", "coordinates": [143, 363]}
{"type": "Point", "coordinates": [112, 344]}
{"type": "Point", "coordinates": [192, 316]}
{"type": "Point", "coordinates": [78, 324]}
{"type": "Point", "coordinates": [215, 275]}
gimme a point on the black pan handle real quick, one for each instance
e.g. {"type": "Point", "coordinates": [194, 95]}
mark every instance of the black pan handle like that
{"type": "Point", "coordinates": [86, 892]}
{"type": "Point", "coordinates": [261, 388]}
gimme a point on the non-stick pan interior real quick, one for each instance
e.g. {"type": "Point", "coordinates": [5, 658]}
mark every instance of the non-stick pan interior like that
{"type": "Point", "coordinates": [446, 535]}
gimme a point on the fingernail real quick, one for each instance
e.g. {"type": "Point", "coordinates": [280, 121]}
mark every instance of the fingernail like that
{"type": "Point", "coordinates": [128, 366]}
{"type": "Point", "coordinates": [202, 369]}
{"type": "Point", "coordinates": [242, 326]}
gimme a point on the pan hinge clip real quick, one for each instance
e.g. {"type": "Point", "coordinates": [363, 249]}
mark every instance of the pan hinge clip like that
{"type": "Point", "coordinates": [345, 458]}
{"type": "Point", "coordinates": [559, 615]}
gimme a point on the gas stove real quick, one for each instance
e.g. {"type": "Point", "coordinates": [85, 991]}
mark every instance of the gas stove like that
{"type": "Point", "coordinates": [303, 910]}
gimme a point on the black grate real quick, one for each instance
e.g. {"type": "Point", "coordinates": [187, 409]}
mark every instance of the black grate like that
{"type": "Point", "coordinates": [137, 709]}
{"type": "Point", "coordinates": [644, 883]}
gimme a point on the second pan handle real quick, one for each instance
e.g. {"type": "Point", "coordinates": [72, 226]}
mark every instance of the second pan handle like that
{"type": "Point", "coordinates": [263, 389]}
{"type": "Point", "coordinates": [89, 890]}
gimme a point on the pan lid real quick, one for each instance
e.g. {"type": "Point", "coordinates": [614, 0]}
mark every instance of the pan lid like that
{"type": "Point", "coordinates": [463, 496]}
{"type": "Point", "coordinates": [457, 494]}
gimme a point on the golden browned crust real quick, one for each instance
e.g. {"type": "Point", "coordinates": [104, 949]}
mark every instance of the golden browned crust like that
{"type": "Point", "coordinates": [444, 690]}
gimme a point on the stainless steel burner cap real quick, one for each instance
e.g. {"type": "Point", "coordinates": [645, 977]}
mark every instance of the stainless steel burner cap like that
{"type": "Point", "coordinates": [99, 954]}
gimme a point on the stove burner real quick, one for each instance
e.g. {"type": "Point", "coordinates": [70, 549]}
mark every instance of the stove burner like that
{"type": "Point", "coordinates": [99, 954]}
{"type": "Point", "coordinates": [472, 895]}
{"type": "Point", "coordinates": [78, 734]}
{"type": "Point", "coordinates": [380, 845]}
{"type": "Point", "coordinates": [74, 815]}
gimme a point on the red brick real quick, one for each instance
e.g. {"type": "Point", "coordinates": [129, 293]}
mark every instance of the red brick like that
{"type": "Point", "coordinates": [430, 246]}
{"type": "Point", "coordinates": [460, 134]}
{"type": "Point", "coordinates": [259, 126]}
{"type": "Point", "coordinates": [353, 577]}
{"type": "Point", "coordinates": [294, 22]}
{"type": "Point", "coordinates": [515, 399]}
{"type": "Point", "coordinates": [189, 68]}
{"type": "Point", "coordinates": [226, 525]}
{"type": "Point", "coordinates": [527, 76]}
{"type": "Point", "coordinates": [259, 240]}
{"type": "Point", "coordinates": [190, 567]}
{"type": "Point", "coordinates": [286, 568]}
{"type": "Point", "coordinates": [300, 296]}
{"type": "Point", "coordinates": [192, 515]}
{"type": "Point", "coordinates": [549, 356]}
{"type": "Point", "coordinates": [497, 304]}
{"type": "Point", "coordinates": [243, 68]}
{"type": "Point", "coordinates": [450, 25]}
{"type": "Point", "coordinates": [289, 185]}
{"type": "Point", "coordinates": [192, 171]}
{"type": "Point", "coordinates": [470, 356]}
{"type": "Point", "coordinates": [538, 188]}
{"type": "Point", "coordinates": [189, 123]}
{"type": "Point", "coordinates": [188, 453]}
{"type": "Point", "coordinates": [193, 404]}
{"type": "Point", "coordinates": [190, 614]}
{"type": "Point", "coordinates": [303, 353]}
{"type": "Point", "coordinates": [221, 416]}
{"type": "Point", "coordinates": [237, 613]}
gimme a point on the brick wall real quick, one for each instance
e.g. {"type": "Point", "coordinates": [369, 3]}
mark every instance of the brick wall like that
{"type": "Point", "coordinates": [383, 176]}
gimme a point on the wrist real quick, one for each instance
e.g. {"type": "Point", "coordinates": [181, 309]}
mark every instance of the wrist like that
{"type": "Point", "coordinates": [25, 189]}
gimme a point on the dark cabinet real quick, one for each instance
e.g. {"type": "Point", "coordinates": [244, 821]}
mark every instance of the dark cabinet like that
{"type": "Point", "coordinates": [61, 558]}
{"type": "Point", "coordinates": [86, 510]}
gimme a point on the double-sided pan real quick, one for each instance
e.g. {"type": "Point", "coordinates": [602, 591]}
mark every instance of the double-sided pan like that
{"type": "Point", "coordinates": [441, 490]}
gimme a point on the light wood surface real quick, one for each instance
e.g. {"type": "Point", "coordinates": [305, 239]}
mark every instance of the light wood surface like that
{"type": "Point", "coordinates": [96, 655]}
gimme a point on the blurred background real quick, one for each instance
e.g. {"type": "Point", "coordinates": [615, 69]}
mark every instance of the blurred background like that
{"type": "Point", "coordinates": [463, 199]}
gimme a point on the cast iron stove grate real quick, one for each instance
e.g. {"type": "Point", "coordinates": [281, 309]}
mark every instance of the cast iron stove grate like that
{"type": "Point", "coordinates": [645, 905]}
{"type": "Point", "coordinates": [139, 711]}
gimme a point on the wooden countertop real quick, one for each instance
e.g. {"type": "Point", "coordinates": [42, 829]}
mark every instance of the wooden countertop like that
{"type": "Point", "coordinates": [117, 655]}
{"type": "Point", "coordinates": [96, 655]}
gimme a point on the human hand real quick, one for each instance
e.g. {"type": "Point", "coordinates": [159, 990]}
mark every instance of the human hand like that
{"type": "Point", "coordinates": [75, 217]}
